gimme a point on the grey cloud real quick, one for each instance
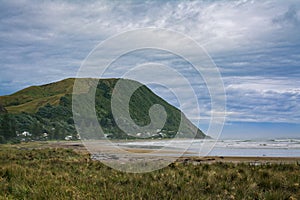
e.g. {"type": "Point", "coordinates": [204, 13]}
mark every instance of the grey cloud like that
{"type": "Point", "coordinates": [290, 17]}
{"type": "Point", "coordinates": [260, 99]}
{"type": "Point", "coordinates": [44, 41]}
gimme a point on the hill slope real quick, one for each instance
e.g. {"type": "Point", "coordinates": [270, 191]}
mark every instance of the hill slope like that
{"type": "Point", "coordinates": [48, 109]}
{"type": "Point", "coordinates": [32, 98]}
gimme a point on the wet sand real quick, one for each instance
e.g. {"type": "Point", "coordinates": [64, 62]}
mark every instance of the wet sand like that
{"type": "Point", "coordinates": [79, 147]}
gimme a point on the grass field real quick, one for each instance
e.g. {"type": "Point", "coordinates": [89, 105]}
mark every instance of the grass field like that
{"type": "Point", "coordinates": [32, 172]}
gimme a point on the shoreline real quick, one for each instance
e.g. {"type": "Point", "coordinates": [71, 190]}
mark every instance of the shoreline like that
{"type": "Point", "coordinates": [78, 146]}
{"type": "Point", "coordinates": [240, 159]}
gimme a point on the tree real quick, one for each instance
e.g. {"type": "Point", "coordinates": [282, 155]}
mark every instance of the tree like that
{"type": "Point", "coordinates": [7, 127]}
{"type": "Point", "coordinates": [45, 112]}
{"type": "Point", "coordinates": [36, 129]}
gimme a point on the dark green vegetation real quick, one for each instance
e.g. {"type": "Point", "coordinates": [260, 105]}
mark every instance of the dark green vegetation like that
{"type": "Point", "coordinates": [64, 174]}
{"type": "Point", "coordinates": [46, 112]}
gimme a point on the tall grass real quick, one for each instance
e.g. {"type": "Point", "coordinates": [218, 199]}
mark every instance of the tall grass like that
{"type": "Point", "coordinates": [65, 174]}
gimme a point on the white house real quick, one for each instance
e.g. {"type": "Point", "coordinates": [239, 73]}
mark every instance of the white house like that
{"type": "Point", "coordinates": [69, 137]}
{"type": "Point", "coordinates": [26, 133]}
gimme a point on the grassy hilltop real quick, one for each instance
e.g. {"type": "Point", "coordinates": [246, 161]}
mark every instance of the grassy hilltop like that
{"type": "Point", "coordinates": [48, 109]}
{"type": "Point", "coordinates": [30, 99]}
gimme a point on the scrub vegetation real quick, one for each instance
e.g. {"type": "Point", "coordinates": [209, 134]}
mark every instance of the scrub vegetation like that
{"type": "Point", "coordinates": [34, 172]}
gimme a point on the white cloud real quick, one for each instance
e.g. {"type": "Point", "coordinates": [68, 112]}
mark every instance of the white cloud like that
{"type": "Point", "coordinates": [278, 85]}
{"type": "Point", "coordinates": [256, 44]}
{"type": "Point", "coordinates": [261, 99]}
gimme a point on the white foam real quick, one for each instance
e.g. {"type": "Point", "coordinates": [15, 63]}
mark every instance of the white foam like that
{"type": "Point", "coordinates": [278, 147]}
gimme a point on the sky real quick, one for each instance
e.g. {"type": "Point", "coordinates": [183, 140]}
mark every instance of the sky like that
{"type": "Point", "coordinates": [254, 44]}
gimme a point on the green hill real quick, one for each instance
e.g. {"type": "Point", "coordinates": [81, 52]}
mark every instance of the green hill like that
{"type": "Point", "coordinates": [48, 109]}
{"type": "Point", "coordinates": [32, 98]}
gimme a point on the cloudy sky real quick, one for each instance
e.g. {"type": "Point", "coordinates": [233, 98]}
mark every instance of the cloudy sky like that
{"type": "Point", "coordinates": [255, 45]}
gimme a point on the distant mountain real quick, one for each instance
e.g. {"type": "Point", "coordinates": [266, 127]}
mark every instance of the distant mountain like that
{"type": "Point", "coordinates": [46, 112]}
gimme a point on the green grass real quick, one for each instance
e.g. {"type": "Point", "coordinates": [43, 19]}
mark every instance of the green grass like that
{"type": "Point", "coordinates": [64, 174]}
{"type": "Point", "coordinates": [34, 97]}
{"type": "Point", "coordinates": [34, 105]}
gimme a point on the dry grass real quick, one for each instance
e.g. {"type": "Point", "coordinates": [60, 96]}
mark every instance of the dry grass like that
{"type": "Point", "coordinates": [49, 173]}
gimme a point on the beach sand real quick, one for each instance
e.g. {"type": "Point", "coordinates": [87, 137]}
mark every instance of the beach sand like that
{"type": "Point", "coordinates": [79, 147]}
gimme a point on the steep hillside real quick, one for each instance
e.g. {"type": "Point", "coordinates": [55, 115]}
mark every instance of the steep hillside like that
{"type": "Point", "coordinates": [48, 109]}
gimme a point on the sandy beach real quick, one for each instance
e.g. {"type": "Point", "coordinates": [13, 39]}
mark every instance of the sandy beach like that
{"type": "Point", "coordinates": [79, 147]}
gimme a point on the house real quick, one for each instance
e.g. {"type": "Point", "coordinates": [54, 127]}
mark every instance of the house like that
{"type": "Point", "coordinates": [26, 133]}
{"type": "Point", "coordinates": [69, 137]}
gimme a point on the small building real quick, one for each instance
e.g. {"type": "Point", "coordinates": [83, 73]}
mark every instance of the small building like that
{"type": "Point", "coordinates": [26, 133]}
{"type": "Point", "coordinates": [69, 137]}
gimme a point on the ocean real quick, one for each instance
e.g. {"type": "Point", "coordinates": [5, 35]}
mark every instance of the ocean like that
{"type": "Point", "coordinates": [245, 148]}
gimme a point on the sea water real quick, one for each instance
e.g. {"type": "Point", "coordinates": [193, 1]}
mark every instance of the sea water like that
{"type": "Point", "coordinates": [247, 148]}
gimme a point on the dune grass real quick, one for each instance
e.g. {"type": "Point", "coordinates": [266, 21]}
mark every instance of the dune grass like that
{"type": "Point", "coordinates": [65, 174]}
